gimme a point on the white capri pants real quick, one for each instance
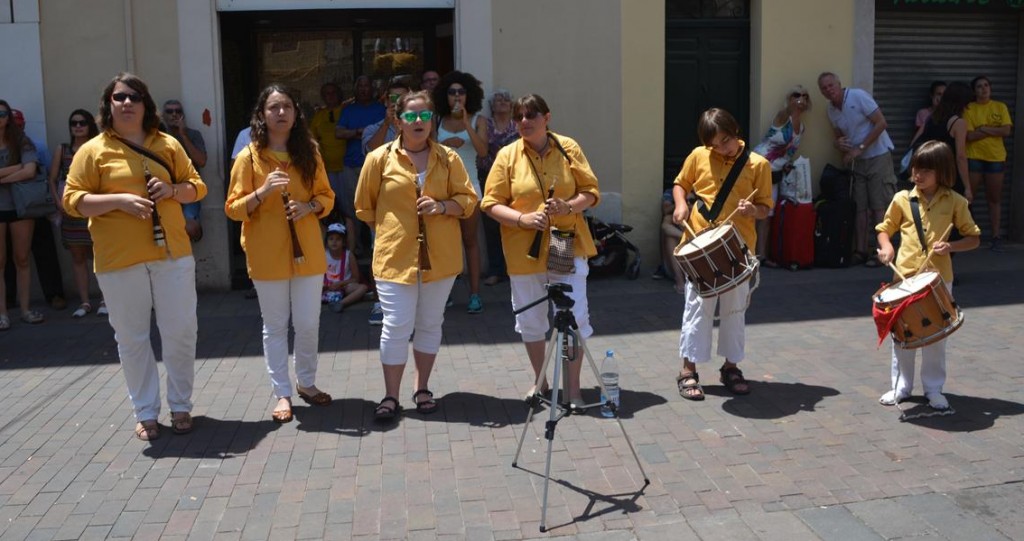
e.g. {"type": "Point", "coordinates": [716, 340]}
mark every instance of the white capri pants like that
{"type": "Point", "coordinates": [298, 298]}
{"type": "Point", "coordinates": [533, 324]}
{"type": "Point", "coordinates": [167, 287]}
{"type": "Point", "coordinates": [933, 365]}
{"type": "Point", "coordinates": [411, 307]}
{"type": "Point", "coordinates": [698, 321]}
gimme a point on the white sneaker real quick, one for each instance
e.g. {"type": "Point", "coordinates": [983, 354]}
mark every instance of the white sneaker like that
{"type": "Point", "coordinates": [937, 401]}
{"type": "Point", "coordinates": [892, 398]}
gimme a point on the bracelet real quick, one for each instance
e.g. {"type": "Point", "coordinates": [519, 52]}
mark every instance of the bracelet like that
{"type": "Point", "coordinates": [444, 207]}
{"type": "Point", "coordinates": [256, 194]}
{"type": "Point", "coordinates": [519, 225]}
{"type": "Point", "coordinates": [174, 191]}
{"type": "Point", "coordinates": [571, 210]}
{"type": "Point", "coordinates": [312, 207]}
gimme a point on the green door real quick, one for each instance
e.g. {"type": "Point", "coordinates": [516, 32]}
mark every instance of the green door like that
{"type": "Point", "coordinates": [707, 64]}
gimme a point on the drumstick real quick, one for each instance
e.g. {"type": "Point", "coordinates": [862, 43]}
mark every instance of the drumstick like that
{"type": "Point", "coordinates": [737, 209]}
{"type": "Point", "coordinates": [689, 229]}
{"type": "Point", "coordinates": [897, 271]}
{"type": "Point", "coordinates": [932, 251]}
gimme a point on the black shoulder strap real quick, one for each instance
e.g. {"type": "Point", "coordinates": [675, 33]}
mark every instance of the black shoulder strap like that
{"type": "Point", "coordinates": [915, 210]}
{"type": "Point", "coordinates": [723, 192]}
{"type": "Point", "coordinates": [149, 154]}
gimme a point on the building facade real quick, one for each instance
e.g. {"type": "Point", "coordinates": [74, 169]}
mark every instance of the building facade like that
{"type": "Point", "coordinates": [623, 77]}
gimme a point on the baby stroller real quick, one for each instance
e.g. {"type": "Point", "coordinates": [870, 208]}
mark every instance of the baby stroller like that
{"type": "Point", "coordinates": [613, 250]}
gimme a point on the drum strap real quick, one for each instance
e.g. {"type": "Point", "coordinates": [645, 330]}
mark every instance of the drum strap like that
{"type": "Point", "coordinates": [723, 192]}
{"type": "Point", "coordinates": [915, 210]}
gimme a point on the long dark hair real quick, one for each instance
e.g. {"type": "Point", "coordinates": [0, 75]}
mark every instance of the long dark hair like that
{"type": "Point", "coordinates": [14, 137]}
{"type": "Point", "coordinates": [953, 102]}
{"type": "Point", "coordinates": [90, 123]}
{"type": "Point", "coordinates": [474, 93]}
{"type": "Point", "coordinates": [150, 120]}
{"type": "Point", "coordinates": [301, 147]}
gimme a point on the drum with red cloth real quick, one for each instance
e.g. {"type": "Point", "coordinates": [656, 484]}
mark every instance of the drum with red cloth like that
{"type": "Point", "coordinates": [917, 311]}
{"type": "Point", "coordinates": [716, 260]}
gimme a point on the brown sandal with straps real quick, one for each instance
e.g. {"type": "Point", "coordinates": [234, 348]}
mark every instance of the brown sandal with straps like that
{"type": "Point", "coordinates": [689, 386]}
{"type": "Point", "coordinates": [732, 378]}
{"type": "Point", "coordinates": [147, 430]}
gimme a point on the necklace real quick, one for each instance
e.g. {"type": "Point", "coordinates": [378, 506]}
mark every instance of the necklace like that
{"type": "Point", "coordinates": [420, 151]}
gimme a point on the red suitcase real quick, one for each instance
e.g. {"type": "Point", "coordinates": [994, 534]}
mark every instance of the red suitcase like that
{"type": "Point", "coordinates": [792, 239]}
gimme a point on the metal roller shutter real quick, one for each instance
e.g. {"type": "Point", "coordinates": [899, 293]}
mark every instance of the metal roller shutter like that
{"type": "Point", "coordinates": [913, 49]}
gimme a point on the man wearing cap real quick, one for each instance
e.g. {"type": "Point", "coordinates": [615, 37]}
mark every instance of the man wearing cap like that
{"type": "Point", "coordinates": [341, 281]}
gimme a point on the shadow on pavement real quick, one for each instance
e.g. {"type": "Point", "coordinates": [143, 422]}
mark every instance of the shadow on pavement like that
{"type": "Point", "coordinates": [352, 417]}
{"type": "Point", "coordinates": [616, 503]}
{"type": "Point", "coordinates": [771, 399]}
{"type": "Point", "coordinates": [476, 410]}
{"type": "Point", "coordinates": [211, 438]}
{"type": "Point", "coordinates": [972, 414]}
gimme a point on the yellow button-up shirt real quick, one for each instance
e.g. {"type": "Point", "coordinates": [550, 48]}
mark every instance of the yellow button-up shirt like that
{"type": "Point", "coordinates": [332, 149]}
{"type": "Point", "coordinates": [704, 172]}
{"type": "Point", "coordinates": [386, 197]}
{"type": "Point", "coordinates": [105, 165]}
{"type": "Point", "coordinates": [266, 238]}
{"type": "Point", "coordinates": [946, 207]}
{"type": "Point", "coordinates": [513, 183]}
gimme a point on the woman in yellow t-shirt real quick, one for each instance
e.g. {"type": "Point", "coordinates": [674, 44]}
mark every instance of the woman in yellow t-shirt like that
{"type": "Point", "coordinates": [988, 123]}
{"type": "Point", "coordinates": [122, 180]}
{"type": "Point", "coordinates": [409, 188]}
{"type": "Point", "coordinates": [539, 182]}
{"type": "Point", "coordinates": [278, 190]}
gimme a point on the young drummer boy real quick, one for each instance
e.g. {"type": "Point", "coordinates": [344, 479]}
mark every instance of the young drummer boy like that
{"type": "Point", "coordinates": [933, 171]}
{"type": "Point", "coordinates": [704, 172]}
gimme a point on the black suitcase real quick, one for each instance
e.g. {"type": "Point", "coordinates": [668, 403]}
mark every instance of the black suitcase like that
{"type": "Point", "coordinates": [836, 183]}
{"type": "Point", "coordinates": [834, 232]}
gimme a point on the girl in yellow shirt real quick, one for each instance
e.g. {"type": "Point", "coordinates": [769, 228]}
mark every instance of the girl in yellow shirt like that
{"type": "Point", "coordinates": [278, 189]}
{"type": "Point", "coordinates": [988, 123]}
{"type": "Point", "coordinates": [410, 187]}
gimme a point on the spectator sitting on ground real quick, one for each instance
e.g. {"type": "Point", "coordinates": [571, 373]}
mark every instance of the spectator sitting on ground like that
{"type": "Point", "coordinates": [671, 233]}
{"type": "Point", "coordinates": [342, 286]}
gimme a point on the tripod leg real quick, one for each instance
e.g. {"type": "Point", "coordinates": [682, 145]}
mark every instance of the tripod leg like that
{"type": "Point", "coordinates": [549, 431]}
{"type": "Point", "coordinates": [552, 344]}
{"type": "Point", "coordinates": [604, 392]}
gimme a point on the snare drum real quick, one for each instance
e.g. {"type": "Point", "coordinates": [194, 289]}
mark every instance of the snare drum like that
{"type": "Point", "coordinates": [929, 319]}
{"type": "Point", "coordinates": [716, 260]}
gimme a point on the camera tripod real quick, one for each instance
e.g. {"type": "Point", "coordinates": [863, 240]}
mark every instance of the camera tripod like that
{"type": "Point", "coordinates": [572, 343]}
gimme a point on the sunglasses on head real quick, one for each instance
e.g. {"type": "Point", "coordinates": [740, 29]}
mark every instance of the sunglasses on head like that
{"type": "Point", "coordinates": [798, 95]}
{"type": "Point", "coordinates": [119, 97]}
{"type": "Point", "coordinates": [527, 115]}
{"type": "Point", "coordinates": [174, 111]}
{"type": "Point", "coordinates": [456, 91]}
{"type": "Point", "coordinates": [78, 123]}
{"type": "Point", "coordinates": [411, 116]}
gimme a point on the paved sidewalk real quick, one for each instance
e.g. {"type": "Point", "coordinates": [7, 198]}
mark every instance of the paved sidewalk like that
{"type": "Point", "coordinates": [810, 454]}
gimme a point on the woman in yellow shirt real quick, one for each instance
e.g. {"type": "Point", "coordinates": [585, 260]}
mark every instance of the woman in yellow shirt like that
{"type": "Point", "coordinates": [988, 123]}
{"type": "Point", "coordinates": [122, 181]}
{"type": "Point", "coordinates": [409, 189]}
{"type": "Point", "coordinates": [543, 180]}
{"type": "Point", "coordinates": [279, 188]}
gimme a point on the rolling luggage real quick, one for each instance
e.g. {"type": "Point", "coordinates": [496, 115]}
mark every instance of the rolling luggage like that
{"type": "Point", "coordinates": [792, 235]}
{"type": "Point", "coordinates": [833, 233]}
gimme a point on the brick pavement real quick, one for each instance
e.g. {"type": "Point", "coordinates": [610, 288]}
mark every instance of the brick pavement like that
{"type": "Point", "coordinates": [810, 454]}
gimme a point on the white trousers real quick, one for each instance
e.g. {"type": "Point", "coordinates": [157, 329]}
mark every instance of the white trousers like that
{"type": "Point", "coordinates": [167, 287]}
{"type": "Point", "coordinates": [933, 366]}
{"type": "Point", "coordinates": [411, 307]}
{"type": "Point", "coordinates": [533, 324]}
{"type": "Point", "coordinates": [299, 298]}
{"type": "Point", "coordinates": [698, 321]}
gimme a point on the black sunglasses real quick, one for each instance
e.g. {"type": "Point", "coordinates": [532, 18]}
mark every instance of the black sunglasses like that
{"type": "Point", "coordinates": [528, 115]}
{"type": "Point", "coordinates": [78, 123]}
{"type": "Point", "coordinates": [797, 95]}
{"type": "Point", "coordinates": [4, 114]}
{"type": "Point", "coordinates": [174, 111]}
{"type": "Point", "coordinates": [456, 91]}
{"type": "Point", "coordinates": [119, 97]}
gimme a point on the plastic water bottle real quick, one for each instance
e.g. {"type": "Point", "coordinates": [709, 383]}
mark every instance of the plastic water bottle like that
{"type": "Point", "coordinates": [610, 379]}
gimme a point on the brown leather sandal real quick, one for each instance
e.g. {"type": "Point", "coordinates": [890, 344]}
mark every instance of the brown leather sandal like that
{"type": "Point", "coordinates": [689, 386]}
{"type": "Point", "coordinates": [282, 416]}
{"type": "Point", "coordinates": [732, 378]}
{"type": "Point", "coordinates": [181, 422]}
{"type": "Point", "coordinates": [319, 399]}
{"type": "Point", "coordinates": [147, 430]}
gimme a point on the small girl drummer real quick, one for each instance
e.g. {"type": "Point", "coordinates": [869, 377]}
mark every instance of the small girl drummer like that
{"type": "Point", "coordinates": [933, 174]}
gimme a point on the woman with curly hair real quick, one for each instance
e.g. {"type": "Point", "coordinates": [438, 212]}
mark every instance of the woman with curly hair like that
{"type": "Point", "coordinates": [18, 162]}
{"type": "Point", "coordinates": [74, 232]}
{"type": "Point", "coordinates": [458, 99]}
{"type": "Point", "coordinates": [279, 189]}
{"type": "Point", "coordinates": [123, 180]}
